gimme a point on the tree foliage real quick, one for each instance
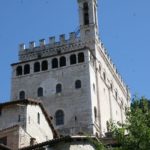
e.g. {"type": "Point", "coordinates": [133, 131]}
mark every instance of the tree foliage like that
{"type": "Point", "coordinates": [135, 134]}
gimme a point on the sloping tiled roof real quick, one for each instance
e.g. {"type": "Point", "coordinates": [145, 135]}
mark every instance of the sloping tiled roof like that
{"type": "Point", "coordinates": [33, 102]}
{"type": "Point", "coordinates": [25, 101]}
{"type": "Point", "coordinates": [106, 141]}
{"type": "Point", "coordinates": [9, 128]}
{"type": "Point", "coordinates": [56, 141]}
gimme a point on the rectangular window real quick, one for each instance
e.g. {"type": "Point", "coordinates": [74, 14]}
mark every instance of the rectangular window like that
{"type": "Point", "coordinates": [3, 140]}
{"type": "Point", "coordinates": [38, 118]}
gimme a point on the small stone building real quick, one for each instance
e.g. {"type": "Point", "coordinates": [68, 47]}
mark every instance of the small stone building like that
{"type": "Point", "coordinates": [4, 147]}
{"type": "Point", "coordinates": [65, 143]}
{"type": "Point", "coordinates": [24, 123]}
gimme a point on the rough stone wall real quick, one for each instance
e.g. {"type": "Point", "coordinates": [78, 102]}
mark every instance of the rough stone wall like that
{"type": "Point", "coordinates": [96, 92]}
{"type": "Point", "coordinates": [40, 131]}
{"type": "Point", "coordinates": [24, 138]}
{"type": "Point", "coordinates": [25, 117]}
{"type": "Point", "coordinates": [10, 116]}
{"type": "Point", "coordinates": [12, 135]}
{"type": "Point", "coordinates": [111, 107]}
{"type": "Point", "coordinates": [74, 102]}
{"type": "Point", "coordinates": [77, 103]}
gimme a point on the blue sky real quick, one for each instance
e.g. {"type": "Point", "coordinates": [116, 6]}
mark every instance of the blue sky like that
{"type": "Point", "coordinates": [124, 29]}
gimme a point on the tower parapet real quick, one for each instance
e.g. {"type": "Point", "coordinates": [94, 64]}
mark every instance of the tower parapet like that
{"type": "Point", "coordinates": [47, 49]}
{"type": "Point", "coordinates": [113, 68]}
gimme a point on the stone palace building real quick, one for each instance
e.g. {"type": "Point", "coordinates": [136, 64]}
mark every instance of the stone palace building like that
{"type": "Point", "coordinates": [74, 78]}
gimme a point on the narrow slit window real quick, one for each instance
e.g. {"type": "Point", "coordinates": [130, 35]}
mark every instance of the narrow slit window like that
{"type": "Point", "coordinates": [95, 113]}
{"type": "Point", "coordinates": [104, 76]}
{"type": "Point", "coordinates": [38, 118]}
{"type": "Point", "coordinates": [86, 13]}
{"type": "Point", "coordinates": [116, 95]}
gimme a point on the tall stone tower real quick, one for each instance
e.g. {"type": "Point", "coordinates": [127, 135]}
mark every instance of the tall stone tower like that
{"type": "Point", "coordinates": [75, 78]}
{"type": "Point", "coordinates": [88, 20]}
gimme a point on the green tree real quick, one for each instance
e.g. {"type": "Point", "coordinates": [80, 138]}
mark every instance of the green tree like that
{"type": "Point", "coordinates": [137, 127]}
{"type": "Point", "coordinates": [98, 145]}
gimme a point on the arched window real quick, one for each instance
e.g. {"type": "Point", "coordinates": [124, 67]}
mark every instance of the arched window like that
{"type": "Point", "coordinates": [62, 61]}
{"type": "Point", "coordinates": [38, 118]}
{"type": "Point", "coordinates": [86, 13]}
{"type": "Point", "coordinates": [26, 69]}
{"type": "Point", "coordinates": [58, 88]}
{"type": "Point", "coordinates": [40, 92]}
{"type": "Point", "coordinates": [44, 65]}
{"type": "Point", "coordinates": [78, 84]}
{"type": "Point", "coordinates": [54, 63]}
{"type": "Point", "coordinates": [59, 117]}
{"type": "Point", "coordinates": [22, 95]}
{"type": "Point", "coordinates": [80, 57]}
{"type": "Point", "coordinates": [95, 113]}
{"type": "Point", "coordinates": [19, 71]}
{"type": "Point", "coordinates": [73, 59]}
{"type": "Point", "coordinates": [36, 67]}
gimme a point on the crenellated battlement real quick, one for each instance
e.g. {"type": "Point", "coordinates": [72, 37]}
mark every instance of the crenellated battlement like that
{"type": "Point", "coordinates": [51, 48]}
{"type": "Point", "coordinates": [113, 66]}
{"type": "Point", "coordinates": [52, 42]}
